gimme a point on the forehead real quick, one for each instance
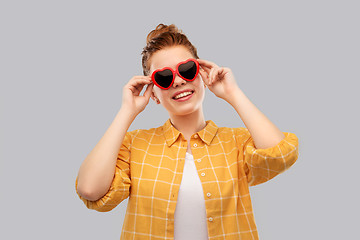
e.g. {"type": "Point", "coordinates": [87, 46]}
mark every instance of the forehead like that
{"type": "Point", "coordinates": [169, 57]}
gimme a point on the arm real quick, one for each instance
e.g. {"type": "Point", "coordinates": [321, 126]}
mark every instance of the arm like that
{"type": "Point", "coordinates": [263, 131]}
{"type": "Point", "coordinates": [97, 170]}
{"type": "Point", "coordinates": [96, 173]}
{"type": "Point", "coordinates": [222, 83]}
{"type": "Point", "coordinates": [265, 151]}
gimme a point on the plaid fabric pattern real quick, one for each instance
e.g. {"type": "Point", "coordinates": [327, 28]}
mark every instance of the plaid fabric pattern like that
{"type": "Point", "coordinates": [149, 170]}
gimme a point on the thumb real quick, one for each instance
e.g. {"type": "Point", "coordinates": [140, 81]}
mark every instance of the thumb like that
{"type": "Point", "coordinates": [204, 77]}
{"type": "Point", "coordinates": [148, 90]}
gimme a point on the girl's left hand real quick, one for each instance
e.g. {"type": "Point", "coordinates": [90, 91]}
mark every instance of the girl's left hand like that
{"type": "Point", "coordinates": [220, 80]}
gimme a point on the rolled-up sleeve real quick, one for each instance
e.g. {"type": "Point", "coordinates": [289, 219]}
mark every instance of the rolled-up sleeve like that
{"type": "Point", "coordinates": [261, 165]}
{"type": "Point", "coordinates": [120, 186]}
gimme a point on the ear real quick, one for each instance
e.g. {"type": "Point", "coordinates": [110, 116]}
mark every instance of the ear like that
{"type": "Point", "coordinates": [153, 97]}
{"type": "Point", "coordinates": [203, 81]}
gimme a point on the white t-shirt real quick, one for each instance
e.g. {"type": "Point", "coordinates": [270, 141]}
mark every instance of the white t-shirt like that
{"type": "Point", "coordinates": [190, 213]}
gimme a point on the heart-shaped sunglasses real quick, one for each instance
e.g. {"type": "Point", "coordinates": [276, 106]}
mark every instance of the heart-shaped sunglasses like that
{"type": "Point", "coordinates": [165, 77]}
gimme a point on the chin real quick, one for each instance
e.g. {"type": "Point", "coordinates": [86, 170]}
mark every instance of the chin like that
{"type": "Point", "coordinates": [186, 110]}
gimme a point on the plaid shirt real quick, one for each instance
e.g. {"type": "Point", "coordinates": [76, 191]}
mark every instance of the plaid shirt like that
{"type": "Point", "coordinates": [149, 170]}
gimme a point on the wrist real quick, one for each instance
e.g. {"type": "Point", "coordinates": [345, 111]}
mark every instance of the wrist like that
{"type": "Point", "coordinates": [233, 96]}
{"type": "Point", "coordinates": [127, 111]}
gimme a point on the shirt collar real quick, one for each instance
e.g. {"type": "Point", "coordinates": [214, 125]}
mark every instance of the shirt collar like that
{"type": "Point", "coordinates": [206, 134]}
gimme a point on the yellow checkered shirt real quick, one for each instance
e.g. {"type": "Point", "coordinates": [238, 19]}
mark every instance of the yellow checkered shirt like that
{"type": "Point", "coordinates": [149, 170]}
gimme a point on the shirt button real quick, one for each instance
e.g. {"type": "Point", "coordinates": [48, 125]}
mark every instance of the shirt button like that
{"type": "Point", "coordinates": [211, 219]}
{"type": "Point", "coordinates": [196, 136]}
{"type": "Point", "coordinates": [208, 194]}
{"type": "Point", "coordinates": [195, 145]}
{"type": "Point", "coordinates": [199, 160]}
{"type": "Point", "coordinates": [202, 174]}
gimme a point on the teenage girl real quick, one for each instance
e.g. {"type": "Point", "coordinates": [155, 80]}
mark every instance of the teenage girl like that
{"type": "Point", "coordinates": [187, 179]}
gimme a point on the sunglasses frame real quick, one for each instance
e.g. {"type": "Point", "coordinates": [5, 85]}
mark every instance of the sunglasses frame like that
{"type": "Point", "coordinates": [174, 72]}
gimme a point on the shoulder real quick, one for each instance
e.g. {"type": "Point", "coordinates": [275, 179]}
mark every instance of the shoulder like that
{"type": "Point", "coordinates": [232, 135]}
{"type": "Point", "coordinates": [232, 132]}
{"type": "Point", "coordinates": [148, 135]}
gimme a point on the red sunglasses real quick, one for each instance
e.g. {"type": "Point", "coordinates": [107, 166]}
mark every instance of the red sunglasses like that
{"type": "Point", "coordinates": [165, 77]}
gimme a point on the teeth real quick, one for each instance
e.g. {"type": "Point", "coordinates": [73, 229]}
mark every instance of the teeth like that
{"type": "Point", "coordinates": [182, 95]}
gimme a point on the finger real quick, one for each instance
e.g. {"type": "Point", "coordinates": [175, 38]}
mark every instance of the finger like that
{"type": "Point", "coordinates": [140, 81]}
{"type": "Point", "coordinates": [204, 77]}
{"type": "Point", "coordinates": [221, 73]}
{"type": "Point", "coordinates": [218, 75]}
{"type": "Point", "coordinates": [139, 87]}
{"type": "Point", "coordinates": [140, 77]}
{"type": "Point", "coordinates": [137, 90]}
{"type": "Point", "coordinates": [132, 89]}
{"type": "Point", "coordinates": [203, 72]}
{"type": "Point", "coordinates": [205, 69]}
{"type": "Point", "coordinates": [206, 63]}
{"type": "Point", "coordinates": [211, 76]}
{"type": "Point", "coordinates": [135, 87]}
{"type": "Point", "coordinates": [148, 91]}
{"type": "Point", "coordinates": [214, 74]}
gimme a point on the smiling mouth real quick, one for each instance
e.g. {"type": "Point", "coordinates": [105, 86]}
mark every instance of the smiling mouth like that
{"type": "Point", "coordinates": [182, 95]}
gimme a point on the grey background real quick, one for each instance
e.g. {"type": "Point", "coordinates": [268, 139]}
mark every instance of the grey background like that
{"type": "Point", "coordinates": [63, 66]}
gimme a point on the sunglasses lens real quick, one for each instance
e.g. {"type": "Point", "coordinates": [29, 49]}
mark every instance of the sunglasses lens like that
{"type": "Point", "coordinates": [188, 70]}
{"type": "Point", "coordinates": [164, 78]}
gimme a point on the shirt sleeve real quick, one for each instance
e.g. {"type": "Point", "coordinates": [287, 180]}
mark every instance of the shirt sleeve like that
{"type": "Point", "coordinates": [261, 165]}
{"type": "Point", "coordinates": [120, 186]}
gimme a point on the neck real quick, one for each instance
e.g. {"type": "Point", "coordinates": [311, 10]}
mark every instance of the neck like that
{"type": "Point", "coordinates": [189, 124]}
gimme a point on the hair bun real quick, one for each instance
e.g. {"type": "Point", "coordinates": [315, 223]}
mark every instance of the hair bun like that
{"type": "Point", "coordinates": [160, 29]}
{"type": "Point", "coordinates": [162, 37]}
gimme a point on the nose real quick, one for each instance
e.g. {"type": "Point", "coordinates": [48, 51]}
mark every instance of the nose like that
{"type": "Point", "coordinates": [178, 81]}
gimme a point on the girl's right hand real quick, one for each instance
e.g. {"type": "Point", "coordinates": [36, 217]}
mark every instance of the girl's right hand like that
{"type": "Point", "coordinates": [131, 98]}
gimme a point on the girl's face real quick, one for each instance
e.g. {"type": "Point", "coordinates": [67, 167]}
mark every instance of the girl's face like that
{"type": "Point", "coordinates": [170, 57]}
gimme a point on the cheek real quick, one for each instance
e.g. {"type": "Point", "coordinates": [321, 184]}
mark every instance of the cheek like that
{"type": "Point", "coordinates": [160, 94]}
{"type": "Point", "coordinates": [200, 84]}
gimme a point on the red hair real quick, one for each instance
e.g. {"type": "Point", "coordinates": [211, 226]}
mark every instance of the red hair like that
{"type": "Point", "coordinates": [164, 36]}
